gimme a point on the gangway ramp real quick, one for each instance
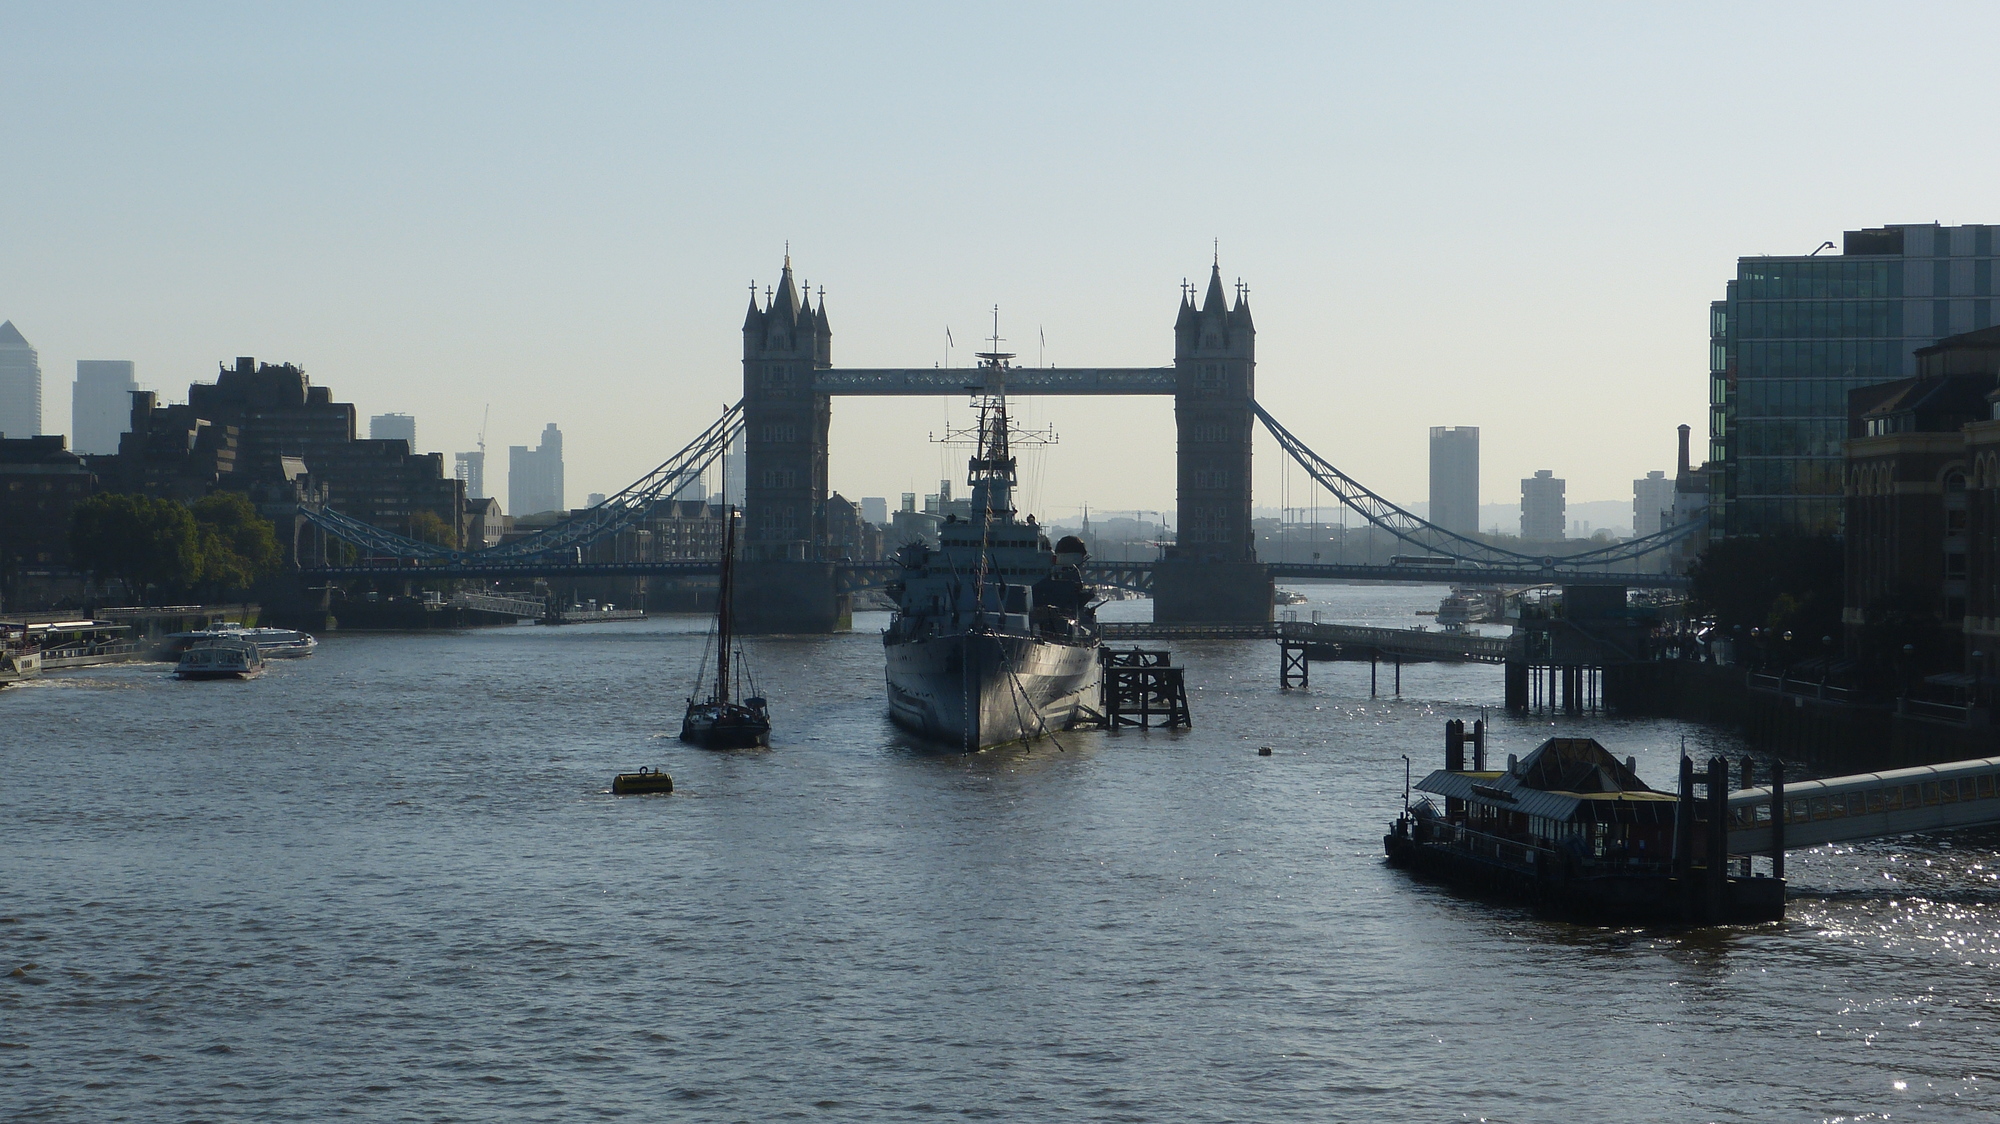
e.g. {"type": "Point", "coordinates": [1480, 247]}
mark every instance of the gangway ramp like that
{"type": "Point", "coordinates": [1869, 806]}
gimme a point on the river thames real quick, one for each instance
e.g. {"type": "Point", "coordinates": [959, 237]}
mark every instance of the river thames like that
{"type": "Point", "coordinates": [389, 882]}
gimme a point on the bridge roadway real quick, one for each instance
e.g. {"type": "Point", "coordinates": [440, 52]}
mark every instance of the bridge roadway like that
{"type": "Point", "coordinates": [931, 381]}
{"type": "Point", "coordinates": [1869, 806]}
{"type": "Point", "coordinates": [1548, 574]}
{"type": "Point", "coordinates": [1353, 641]}
{"type": "Point", "coordinates": [1136, 576]}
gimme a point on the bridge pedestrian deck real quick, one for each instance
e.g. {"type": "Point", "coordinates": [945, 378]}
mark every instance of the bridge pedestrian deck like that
{"type": "Point", "coordinates": [1869, 806]}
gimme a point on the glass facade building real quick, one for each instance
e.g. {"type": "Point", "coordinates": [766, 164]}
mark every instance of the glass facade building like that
{"type": "Point", "coordinates": [1794, 334]}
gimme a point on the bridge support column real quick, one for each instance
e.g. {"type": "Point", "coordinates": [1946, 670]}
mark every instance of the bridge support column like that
{"type": "Point", "coordinates": [794, 597]}
{"type": "Point", "coordinates": [1189, 592]}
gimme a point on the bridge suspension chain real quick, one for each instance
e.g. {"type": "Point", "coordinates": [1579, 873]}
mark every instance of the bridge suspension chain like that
{"type": "Point", "coordinates": [1434, 539]}
{"type": "Point", "coordinates": [631, 505]}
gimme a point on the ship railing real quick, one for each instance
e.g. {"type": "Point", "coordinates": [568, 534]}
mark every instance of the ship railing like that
{"type": "Point", "coordinates": [1518, 853]}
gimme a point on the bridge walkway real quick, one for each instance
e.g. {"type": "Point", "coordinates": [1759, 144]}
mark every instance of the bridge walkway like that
{"type": "Point", "coordinates": [1869, 806]}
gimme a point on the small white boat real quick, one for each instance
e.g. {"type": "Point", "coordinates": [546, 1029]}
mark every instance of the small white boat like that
{"type": "Point", "coordinates": [279, 643]}
{"type": "Point", "coordinates": [223, 657]}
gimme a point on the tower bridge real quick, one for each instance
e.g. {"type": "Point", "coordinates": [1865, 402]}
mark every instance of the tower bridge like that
{"type": "Point", "coordinates": [789, 581]}
{"type": "Point", "coordinates": [789, 381]}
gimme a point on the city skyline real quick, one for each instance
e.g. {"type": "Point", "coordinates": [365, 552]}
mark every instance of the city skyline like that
{"type": "Point", "coordinates": [1562, 145]}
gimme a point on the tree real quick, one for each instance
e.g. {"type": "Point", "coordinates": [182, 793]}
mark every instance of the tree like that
{"type": "Point", "coordinates": [146, 543]}
{"type": "Point", "coordinates": [425, 526]}
{"type": "Point", "coordinates": [237, 545]}
{"type": "Point", "coordinates": [1780, 584]}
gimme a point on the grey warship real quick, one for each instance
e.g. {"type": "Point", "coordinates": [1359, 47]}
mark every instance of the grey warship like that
{"type": "Point", "coordinates": [995, 635]}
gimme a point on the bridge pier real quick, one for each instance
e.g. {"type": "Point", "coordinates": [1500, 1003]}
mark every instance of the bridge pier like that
{"type": "Point", "coordinates": [790, 597]}
{"type": "Point", "coordinates": [1190, 592]}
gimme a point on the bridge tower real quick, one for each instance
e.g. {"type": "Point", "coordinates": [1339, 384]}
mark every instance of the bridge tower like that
{"type": "Point", "coordinates": [1212, 572]}
{"type": "Point", "coordinates": [785, 582]}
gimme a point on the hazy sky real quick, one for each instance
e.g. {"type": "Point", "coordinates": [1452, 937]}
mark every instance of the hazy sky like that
{"type": "Point", "coordinates": [1508, 216]}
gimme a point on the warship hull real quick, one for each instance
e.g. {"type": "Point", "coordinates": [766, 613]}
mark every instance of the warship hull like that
{"type": "Point", "coordinates": [970, 691]}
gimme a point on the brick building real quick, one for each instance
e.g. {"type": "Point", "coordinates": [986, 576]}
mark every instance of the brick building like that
{"type": "Point", "coordinates": [1921, 515]}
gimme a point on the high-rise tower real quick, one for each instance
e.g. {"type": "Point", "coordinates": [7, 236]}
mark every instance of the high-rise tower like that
{"type": "Point", "coordinates": [1455, 478]}
{"type": "Point", "coordinates": [20, 384]}
{"type": "Point", "coordinates": [100, 405]}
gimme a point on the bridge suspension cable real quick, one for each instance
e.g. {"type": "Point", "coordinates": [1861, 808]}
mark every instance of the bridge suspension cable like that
{"type": "Point", "coordinates": [1434, 539]}
{"type": "Point", "coordinates": [631, 505]}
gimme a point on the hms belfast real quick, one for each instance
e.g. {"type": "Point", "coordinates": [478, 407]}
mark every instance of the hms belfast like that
{"type": "Point", "coordinates": [994, 638]}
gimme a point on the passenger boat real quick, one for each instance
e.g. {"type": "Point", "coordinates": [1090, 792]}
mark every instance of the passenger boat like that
{"type": "Point", "coordinates": [1573, 829]}
{"type": "Point", "coordinates": [20, 657]}
{"type": "Point", "coordinates": [86, 643]}
{"type": "Point", "coordinates": [223, 657]}
{"type": "Point", "coordinates": [280, 643]}
{"type": "Point", "coordinates": [995, 636]}
{"type": "Point", "coordinates": [272, 643]}
{"type": "Point", "coordinates": [719, 722]}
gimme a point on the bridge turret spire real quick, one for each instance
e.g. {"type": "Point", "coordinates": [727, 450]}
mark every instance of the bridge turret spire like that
{"type": "Point", "coordinates": [1214, 301]}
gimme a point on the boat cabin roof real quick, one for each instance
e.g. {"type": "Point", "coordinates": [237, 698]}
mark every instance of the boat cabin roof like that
{"type": "Point", "coordinates": [1574, 780]}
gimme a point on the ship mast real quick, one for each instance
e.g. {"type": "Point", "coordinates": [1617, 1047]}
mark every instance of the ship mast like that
{"type": "Point", "coordinates": [723, 607]}
{"type": "Point", "coordinates": [990, 472]}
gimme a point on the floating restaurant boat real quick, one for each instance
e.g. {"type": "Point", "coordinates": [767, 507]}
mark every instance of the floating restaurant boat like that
{"type": "Point", "coordinates": [223, 657]}
{"type": "Point", "coordinates": [1572, 828]}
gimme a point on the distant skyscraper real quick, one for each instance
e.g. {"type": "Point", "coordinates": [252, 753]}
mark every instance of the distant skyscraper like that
{"type": "Point", "coordinates": [875, 509]}
{"type": "Point", "coordinates": [535, 476]}
{"type": "Point", "coordinates": [20, 384]}
{"type": "Point", "coordinates": [1650, 497]}
{"type": "Point", "coordinates": [1455, 478]}
{"type": "Point", "coordinates": [1542, 508]}
{"type": "Point", "coordinates": [391, 427]}
{"type": "Point", "coordinates": [471, 468]}
{"type": "Point", "coordinates": [100, 405]}
{"type": "Point", "coordinates": [732, 472]}
{"type": "Point", "coordinates": [593, 499]}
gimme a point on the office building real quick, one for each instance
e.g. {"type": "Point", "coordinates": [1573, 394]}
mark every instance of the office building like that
{"type": "Point", "coordinates": [470, 468]}
{"type": "Point", "coordinates": [594, 499]}
{"type": "Point", "coordinates": [41, 483]}
{"type": "Point", "coordinates": [1652, 504]}
{"type": "Point", "coordinates": [100, 405]}
{"type": "Point", "coordinates": [875, 509]}
{"type": "Point", "coordinates": [535, 476]}
{"type": "Point", "coordinates": [1793, 335]}
{"type": "Point", "coordinates": [1455, 478]}
{"type": "Point", "coordinates": [1542, 507]}
{"type": "Point", "coordinates": [393, 427]}
{"type": "Point", "coordinates": [20, 384]}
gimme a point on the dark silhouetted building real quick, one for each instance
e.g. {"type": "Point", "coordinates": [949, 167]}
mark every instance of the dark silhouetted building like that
{"type": "Point", "coordinates": [41, 482]}
{"type": "Point", "coordinates": [1922, 506]}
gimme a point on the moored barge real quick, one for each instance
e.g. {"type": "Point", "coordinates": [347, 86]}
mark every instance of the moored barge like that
{"type": "Point", "coordinates": [1572, 829]}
